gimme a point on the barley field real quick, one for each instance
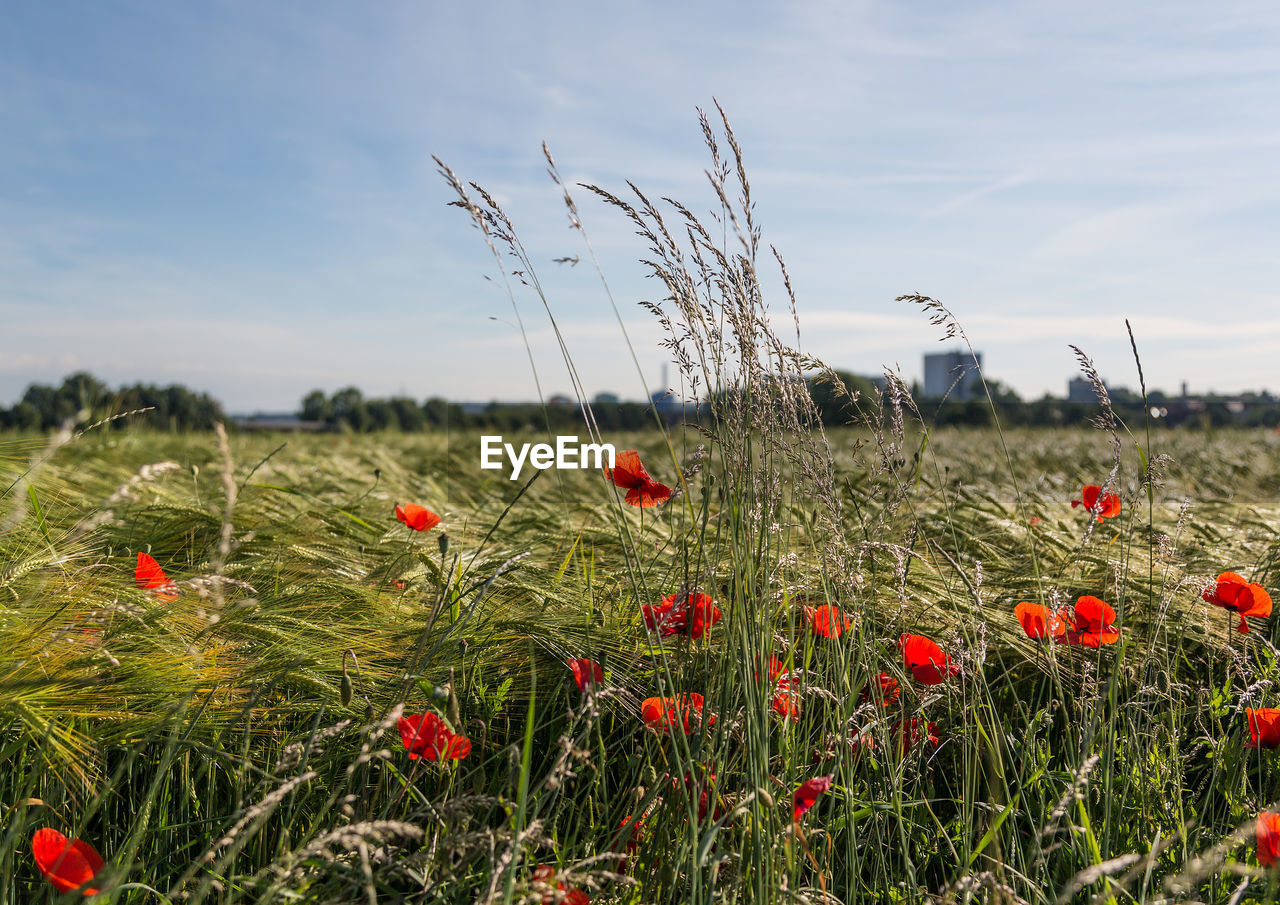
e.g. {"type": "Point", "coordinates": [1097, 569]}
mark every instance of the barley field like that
{"type": "Point", "coordinates": [233, 735]}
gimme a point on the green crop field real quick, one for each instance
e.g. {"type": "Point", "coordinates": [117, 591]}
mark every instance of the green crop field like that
{"type": "Point", "coordinates": [233, 738]}
{"type": "Point", "coordinates": [876, 663]}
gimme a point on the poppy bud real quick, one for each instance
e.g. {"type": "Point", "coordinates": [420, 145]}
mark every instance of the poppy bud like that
{"type": "Point", "coordinates": [345, 688]}
{"type": "Point", "coordinates": [443, 542]}
{"type": "Point", "coordinates": [454, 717]}
{"type": "Point", "coordinates": [368, 711]}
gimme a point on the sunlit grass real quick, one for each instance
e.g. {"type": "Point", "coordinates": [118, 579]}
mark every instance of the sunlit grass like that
{"type": "Point", "coordinates": [150, 728]}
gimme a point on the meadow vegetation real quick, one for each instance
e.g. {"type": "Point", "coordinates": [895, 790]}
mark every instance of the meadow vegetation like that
{"type": "Point", "coordinates": [236, 732]}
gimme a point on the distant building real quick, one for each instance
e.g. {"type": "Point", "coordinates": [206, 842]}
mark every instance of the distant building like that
{"type": "Point", "coordinates": [283, 421]}
{"type": "Point", "coordinates": [953, 374]}
{"type": "Point", "coordinates": [1079, 389]}
{"type": "Point", "coordinates": [560, 399]}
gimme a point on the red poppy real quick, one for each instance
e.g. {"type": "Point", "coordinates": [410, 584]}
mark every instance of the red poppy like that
{"type": "Point", "coordinates": [629, 474]}
{"type": "Point", "coordinates": [545, 873]}
{"type": "Point", "coordinates": [1268, 833]}
{"type": "Point", "coordinates": [686, 613]}
{"type": "Point", "coordinates": [663, 713]}
{"type": "Point", "coordinates": [883, 690]}
{"type": "Point", "coordinates": [827, 621]}
{"type": "Point", "coordinates": [427, 736]}
{"type": "Point", "coordinates": [915, 731]}
{"type": "Point", "coordinates": [66, 864]}
{"type": "Point", "coordinates": [1239, 596]}
{"type": "Point", "coordinates": [586, 672]}
{"type": "Point", "coordinates": [1264, 727]}
{"type": "Point", "coordinates": [926, 661]}
{"type": "Point", "coordinates": [1039, 621]}
{"type": "Point", "coordinates": [701, 780]}
{"type": "Point", "coordinates": [1092, 624]}
{"type": "Point", "coordinates": [786, 701]}
{"type": "Point", "coordinates": [150, 577]}
{"type": "Point", "coordinates": [1108, 508]}
{"type": "Point", "coordinates": [631, 832]}
{"type": "Point", "coordinates": [808, 793]}
{"type": "Point", "coordinates": [419, 518]}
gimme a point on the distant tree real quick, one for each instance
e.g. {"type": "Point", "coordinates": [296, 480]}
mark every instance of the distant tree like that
{"type": "Point", "coordinates": [349, 409]}
{"type": "Point", "coordinates": [407, 413]}
{"type": "Point", "coordinates": [836, 401]}
{"type": "Point", "coordinates": [84, 399]}
{"type": "Point", "coordinates": [316, 407]}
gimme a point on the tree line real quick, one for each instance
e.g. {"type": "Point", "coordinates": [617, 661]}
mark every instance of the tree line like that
{"type": "Point", "coordinates": [83, 399]}
{"type": "Point", "coordinates": [348, 409]}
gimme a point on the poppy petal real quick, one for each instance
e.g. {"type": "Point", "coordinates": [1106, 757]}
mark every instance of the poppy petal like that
{"type": "Point", "coordinates": [925, 660]}
{"type": "Point", "coordinates": [1038, 621]}
{"type": "Point", "coordinates": [67, 865]}
{"type": "Point", "coordinates": [627, 471]}
{"type": "Point", "coordinates": [419, 518]}
{"type": "Point", "coordinates": [1264, 727]}
{"type": "Point", "coordinates": [808, 793]}
{"type": "Point", "coordinates": [1268, 838]}
{"type": "Point", "coordinates": [150, 577]}
{"type": "Point", "coordinates": [586, 672]}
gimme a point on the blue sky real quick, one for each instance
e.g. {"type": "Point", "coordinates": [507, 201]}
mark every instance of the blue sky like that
{"type": "Point", "coordinates": [240, 196]}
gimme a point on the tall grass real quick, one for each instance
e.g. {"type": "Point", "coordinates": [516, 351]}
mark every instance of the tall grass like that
{"type": "Point", "coordinates": [211, 748]}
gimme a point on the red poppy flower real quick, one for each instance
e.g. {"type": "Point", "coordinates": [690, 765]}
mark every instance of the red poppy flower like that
{"type": "Point", "coordinates": [1109, 507]}
{"type": "Point", "coordinates": [1039, 621]}
{"type": "Point", "coordinates": [586, 672]}
{"type": "Point", "coordinates": [701, 780]}
{"type": "Point", "coordinates": [808, 793]}
{"type": "Point", "coordinates": [926, 661]}
{"type": "Point", "coordinates": [1239, 596]}
{"type": "Point", "coordinates": [66, 864]}
{"type": "Point", "coordinates": [631, 832]}
{"type": "Point", "coordinates": [1092, 624]}
{"type": "Point", "coordinates": [686, 613]}
{"type": "Point", "coordinates": [827, 621]}
{"type": "Point", "coordinates": [419, 518]}
{"type": "Point", "coordinates": [914, 731]}
{"type": "Point", "coordinates": [545, 873]}
{"type": "Point", "coordinates": [883, 690]}
{"type": "Point", "coordinates": [427, 736]}
{"type": "Point", "coordinates": [150, 577]}
{"type": "Point", "coordinates": [1268, 833]}
{"type": "Point", "coordinates": [663, 713]}
{"type": "Point", "coordinates": [1264, 727]}
{"type": "Point", "coordinates": [786, 701]}
{"type": "Point", "coordinates": [629, 474]}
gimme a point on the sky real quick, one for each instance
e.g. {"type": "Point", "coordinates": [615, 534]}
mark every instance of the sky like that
{"type": "Point", "coordinates": [241, 196]}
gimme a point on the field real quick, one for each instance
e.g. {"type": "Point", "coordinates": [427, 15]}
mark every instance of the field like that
{"type": "Point", "coordinates": [233, 738]}
{"type": "Point", "coordinates": [880, 663]}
